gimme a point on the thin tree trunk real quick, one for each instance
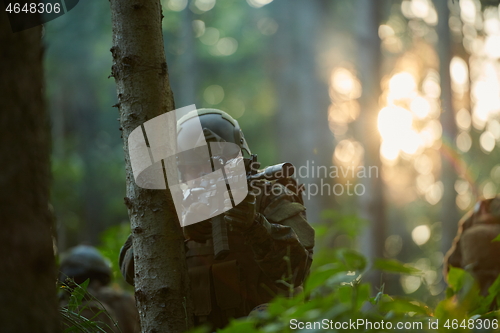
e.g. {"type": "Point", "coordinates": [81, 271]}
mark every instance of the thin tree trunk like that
{"type": "Point", "coordinates": [187, 70]}
{"type": "Point", "coordinates": [372, 203]}
{"type": "Point", "coordinates": [140, 71]}
{"type": "Point", "coordinates": [28, 273]}
{"type": "Point", "coordinates": [302, 132]}
{"type": "Point", "coordinates": [449, 213]}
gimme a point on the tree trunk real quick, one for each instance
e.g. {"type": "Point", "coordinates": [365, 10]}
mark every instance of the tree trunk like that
{"type": "Point", "coordinates": [140, 71]}
{"type": "Point", "coordinates": [28, 273]}
{"type": "Point", "coordinates": [372, 203]}
{"type": "Point", "coordinates": [449, 213]}
{"type": "Point", "coordinates": [302, 131]}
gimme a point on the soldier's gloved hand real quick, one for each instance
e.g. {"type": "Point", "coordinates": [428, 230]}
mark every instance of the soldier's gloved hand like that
{"type": "Point", "coordinates": [199, 231]}
{"type": "Point", "coordinates": [241, 217]}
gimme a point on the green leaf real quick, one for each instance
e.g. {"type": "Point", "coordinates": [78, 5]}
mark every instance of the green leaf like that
{"type": "Point", "coordinates": [395, 266]}
{"type": "Point", "coordinates": [320, 276]}
{"type": "Point", "coordinates": [344, 294]}
{"type": "Point", "coordinates": [320, 230]}
{"type": "Point", "coordinates": [404, 306]}
{"type": "Point", "coordinates": [353, 260]}
{"type": "Point", "coordinates": [78, 324]}
{"type": "Point", "coordinates": [494, 289]}
{"type": "Point", "coordinates": [363, 294]}
{"type": "Point", "coordinates": [496, 239]}
{"type": "Point", "coordinates": [77, 295]}
{"type": "Point", "coordinates": [493, 294]}
{"type": "Point", "coordinates": [456, 278]}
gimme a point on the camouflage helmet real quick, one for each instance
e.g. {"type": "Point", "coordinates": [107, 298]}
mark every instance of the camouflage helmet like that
{"type": "Point", "coordinates": [217, 126]}
{"type": "Point", "coordinates": [85, 262]}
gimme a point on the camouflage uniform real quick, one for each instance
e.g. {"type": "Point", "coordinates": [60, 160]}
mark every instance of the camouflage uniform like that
{"type": "Point", "coordinates": [473, 248]}
{"type": "Point", "coordinates": [250, 274]}
{"type": "Point", "coordinates": [102, 304]}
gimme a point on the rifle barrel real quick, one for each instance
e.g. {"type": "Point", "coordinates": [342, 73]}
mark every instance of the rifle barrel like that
{"type": "Point", "coordinates": [277, 171]}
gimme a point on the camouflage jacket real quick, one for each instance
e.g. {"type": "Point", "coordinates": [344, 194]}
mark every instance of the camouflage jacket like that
{"type": "Point", "coordinates": [272, 257]}
{"type": "Point", "coordinates": [473, 248]}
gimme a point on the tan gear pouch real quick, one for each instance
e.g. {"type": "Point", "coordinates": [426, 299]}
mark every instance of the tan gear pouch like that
{"type": "Point", "coordinates": [283, 209]}
{"type": "Point", "coordinates": [478, 248]}
{"type": "Point", "coordinates": [226, 277]}
{"type": "Point", "coordinates": [200, 290]}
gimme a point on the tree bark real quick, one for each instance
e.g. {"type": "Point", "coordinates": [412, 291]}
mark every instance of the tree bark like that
{"type": "Point", "coordinates": [140, 71]}
{"type": "Point", "coordinates": [372, 203]}
{"type": "Point", "coordinates": [449, 212]}
{"type": "Point", "coordinates": [28, 273]}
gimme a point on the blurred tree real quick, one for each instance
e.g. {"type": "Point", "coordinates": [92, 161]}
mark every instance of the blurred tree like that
{"type": "Point", "coordinates": [87, 159]}
{"type": "Point", "coordinates": [140, 70]}
{"type": "Point", "coordinates": [301, 130]}
{"type": "Point", "coordinates": [28, 273]}
{"type": "Point", "coordinates": [371, 203]}
{"type": "Point", "coordinates": [186, 66]}
{"type": "Point", "coordinates": [449, 213]}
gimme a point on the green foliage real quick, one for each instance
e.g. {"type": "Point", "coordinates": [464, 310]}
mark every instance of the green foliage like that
{"type": "Point", "coordinates": [112, 239]}
{"type": "Point", "coordinates": [463, 296]}
{"type": "Point", "coordinates": [78, 323]}
{"type": "Point", "coordinates": [339, 223]}
{"type": "Point", "coordinates": [346, 267]}
{"type": "Point", "coordinates": [334, 224]}
{"type": "Point", "coordinates": [335, 294]}
{"type": "Point", "coordinates": [71, 314]}
{"type": "Point", "coordinates": [395, 266]}
{"type": "Point", "coordinates": [76, 297]}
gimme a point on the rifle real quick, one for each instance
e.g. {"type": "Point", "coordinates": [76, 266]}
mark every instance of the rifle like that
{"type": "Point", "coordinates": [219, 227]}
{"type": "Point", "coordinates": [199, 194]}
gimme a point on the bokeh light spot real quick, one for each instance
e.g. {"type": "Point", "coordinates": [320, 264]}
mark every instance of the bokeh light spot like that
{"type": "Point", "coordinates": [487, 141]}
{"type": "Point", "coordinates": [210, 37]}
{"type": "Point", "coordinates": [421, 234]}
{"type": "Point", "coordinates": [463, 119]}
{"type": "Point", "coordinates": [213, 94]}
{"type": "Point", "coordinates": [258, 3]}
{"type": "Point", "coordinates": [464, 142]}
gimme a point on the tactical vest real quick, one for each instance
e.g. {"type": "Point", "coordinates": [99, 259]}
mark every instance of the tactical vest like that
{"type": "Point", "coordinates": [229, 288]}
{"type": "Point", "coordinates": [232, 287]}
{"type": "Point", "coordinates": [474, 249]}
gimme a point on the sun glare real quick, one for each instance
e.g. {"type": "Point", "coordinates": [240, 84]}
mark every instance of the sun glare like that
{"type": "Point", "coordinates": [420, 107]}
{"type": "Point", "coordinates": [394, 122]}
{"type": "Point", "coordinates": [402, 85]}
{"type": "Point", "coordinates": [345, 83]}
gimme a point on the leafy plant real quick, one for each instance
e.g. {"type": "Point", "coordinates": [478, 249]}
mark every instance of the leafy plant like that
{"type": "Point", "coordinates": [72, 317]}
{"type": "Point", "coordinates": [335, 298]}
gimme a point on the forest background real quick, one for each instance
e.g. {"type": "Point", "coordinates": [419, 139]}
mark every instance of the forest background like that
{"type": "Point", "coordinates": [323, 83]}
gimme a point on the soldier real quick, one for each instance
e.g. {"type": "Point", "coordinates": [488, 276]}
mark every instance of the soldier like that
{"type": "Point", "coordinates": [105, 304]}
{"type": "Point", "coordinates": [473, 248]}
{"type": "Point", "coordinates": [270, 240]}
